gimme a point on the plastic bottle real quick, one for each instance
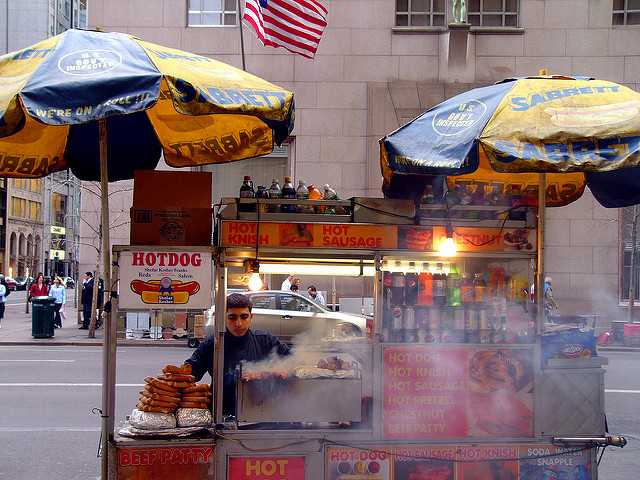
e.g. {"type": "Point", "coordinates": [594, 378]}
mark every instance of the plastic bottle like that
{"type": "Point", "coordinates": [467, 294]}
{"type": "Point", "coordinates": [425, 286]}
{"type": "Point", "coordinates": [316, 194]}
{"type": "Point", "coordinates": [479, 289]}
{"type": "Point", "coordinates": [262, 193]}
{"type": "Point", "coordinates": [439, 287]}
{"type": "Point", "coordinates": [275, 192]}
{"type": "Point", "coordinates": [302, 193]}
{"type": "Point", "coordinates": [288, 193]}
{"type": "Point", "coordinates": [247, 191]}
{"type": "Point", "coordinates": [330, 194]}
{"type": "Point", "coordinates": [411, 285]}
{"type": "Point", "coordinates": [453, 287]}
{"type": "Point", "coordinates": [397, 286]}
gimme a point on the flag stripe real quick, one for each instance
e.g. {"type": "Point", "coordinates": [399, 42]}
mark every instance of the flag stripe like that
{"type": "Point", "coordinates": [296, 25]}
{"type": "Point", "coordinates": [294, 22]}
{"type": "Point", "coordinates": [300, 13]}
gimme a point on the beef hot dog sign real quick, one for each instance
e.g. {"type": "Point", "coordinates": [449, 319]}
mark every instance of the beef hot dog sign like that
{"type": "Point", "coordinates": [160, 279]}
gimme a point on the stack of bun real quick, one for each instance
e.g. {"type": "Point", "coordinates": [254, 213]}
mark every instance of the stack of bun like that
{"type": "Point", "coordinates": [175, 388]}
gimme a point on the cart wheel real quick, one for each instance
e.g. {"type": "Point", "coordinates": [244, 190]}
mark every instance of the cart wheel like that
{"type": "Point", "coordinates": [193, 343]}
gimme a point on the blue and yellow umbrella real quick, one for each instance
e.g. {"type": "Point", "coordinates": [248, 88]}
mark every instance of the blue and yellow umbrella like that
{"type": "Point", "coordinates": [191, 108]}
{"type": "Point", "coordinates": [580, 131]}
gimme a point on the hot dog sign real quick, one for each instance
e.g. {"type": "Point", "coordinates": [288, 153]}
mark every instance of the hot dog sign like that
{"type": "Point", "coordinates": [157, 279]}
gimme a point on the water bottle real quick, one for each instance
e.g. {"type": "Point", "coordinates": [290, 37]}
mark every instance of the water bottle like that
{"type": "Point", "coordinates": [275, 192]}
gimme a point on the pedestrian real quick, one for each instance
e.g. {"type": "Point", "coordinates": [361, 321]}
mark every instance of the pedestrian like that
{"type": "Point", "coordinates": [550, 303]}
{"type": "Point", "coordinates": [86, 299]}
{"type": "Point", "coordinates": [316, 296]}
{"type": "Point", "coordinates": [3, 294]}
{"type": "Point", "coordinates": [294, 288]}
{"type": "Point", "coordinates": [58, 292]}
{"type": "Point", "coordinates": [38, 288]}
{"type": "Point", "coordinates": [286, 285]}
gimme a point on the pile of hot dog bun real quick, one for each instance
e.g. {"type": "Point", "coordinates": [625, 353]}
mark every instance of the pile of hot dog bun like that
{"type": "Point", "coordinates": [175, 388]}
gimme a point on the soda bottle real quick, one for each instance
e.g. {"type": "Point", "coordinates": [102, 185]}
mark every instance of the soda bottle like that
{"type": "Point", "coordinates": [397, 324]}
{"type": "Point", "coordinates": [387, 283]}
{"type": "Point", "coordinates": [409, 325]}
{"type": "Point", "coordinates": [330, 194]}
{"type": "Point", "coordinates": [288, 193]}
{"type": "Point", "coordinates": [316, 194]}
{"type": "Point", "coordinates": [425, 286]}
{"type": "Point", "coordinates": [247, 191]}
{"type": "Point", "coordinates": [453, 287]}
{"type": "Point", "coordinates": [440, 287]}
{"type": "Point", "coordinates": [397, 286]}
{"type": "Point", "coordinates": [275, 192]}
{"type": "Point", "coordinates": [467, 294]}
{"type": "Point", "coordinates": [479, 289]}
{"type": "Point", "coordinates": [411, 285]}
{"type": "Point", "coordinates": [262, 193]}
{"type": "Point", "coordinates": [302, 193]}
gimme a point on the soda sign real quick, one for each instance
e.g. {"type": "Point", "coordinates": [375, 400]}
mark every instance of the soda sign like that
{"type": "Point", "coordinates": [266, 468]}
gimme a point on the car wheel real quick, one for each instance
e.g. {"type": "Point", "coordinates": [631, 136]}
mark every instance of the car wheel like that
{"type": "Point", "coordinates": [348, 330]}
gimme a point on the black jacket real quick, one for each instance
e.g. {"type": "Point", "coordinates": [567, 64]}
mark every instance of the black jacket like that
{"type": "Point", "coordinates": [254, 346]}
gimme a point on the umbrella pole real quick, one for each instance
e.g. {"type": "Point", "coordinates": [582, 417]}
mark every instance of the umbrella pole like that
{"type": "Point", "coordinates": [109, 343]}
{"type": "Point", "coordinates": [542, 188]}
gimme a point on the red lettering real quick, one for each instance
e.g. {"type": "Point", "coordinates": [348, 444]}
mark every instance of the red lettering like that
{"type": "Point", "coordinates": [173, 259]}
{"type": "Point", "coordinates": [184, 259]}
{"type": "Point", "coordinates": [196, 260]}
{"type": "Point", "coordinates": [165, 457]}
{"type": "Point", "coordinates": [137, 259]}
{"type": "Point", "coordinates": [162, 257]}
{"type": "Point", "coordinates": [125, 458]}
{"type": "Point", "coordinates": [150, 259]}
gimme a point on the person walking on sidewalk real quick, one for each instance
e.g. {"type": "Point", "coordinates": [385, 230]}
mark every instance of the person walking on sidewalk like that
{"type": "Point", "coordinates": [58, 292]}
{"type": "Point", "coordinates": [38, 288]}
{"type": "Point", "coordinates": [3, 297]}
{"type": "Point", "coordinates": [86, 300]}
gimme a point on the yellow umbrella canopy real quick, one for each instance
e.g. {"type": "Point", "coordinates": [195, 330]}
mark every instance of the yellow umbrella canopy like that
{"type": "Point", "coordinates": [193, 109]}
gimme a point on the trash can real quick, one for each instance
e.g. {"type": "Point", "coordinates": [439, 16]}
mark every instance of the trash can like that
{"type": "Point", "coordinates": [42, 317]}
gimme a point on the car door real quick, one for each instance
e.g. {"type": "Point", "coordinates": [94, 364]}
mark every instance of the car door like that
{"type": "Point", "coordinates": [299, 315]}
{"type": "Point", "coordinates": [265, 313]}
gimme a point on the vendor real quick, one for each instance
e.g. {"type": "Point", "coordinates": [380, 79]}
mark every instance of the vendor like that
{"type": "Point", "coordinates": [240, 343]}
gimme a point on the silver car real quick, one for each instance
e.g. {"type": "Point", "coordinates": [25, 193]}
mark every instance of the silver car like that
{"type": "Point", "coordinates": [287, 314]}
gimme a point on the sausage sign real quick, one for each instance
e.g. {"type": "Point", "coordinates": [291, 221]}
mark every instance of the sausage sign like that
{"type": "Point", "coordinates": [160, 279]}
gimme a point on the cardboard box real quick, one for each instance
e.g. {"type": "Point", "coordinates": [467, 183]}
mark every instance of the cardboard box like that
{"type": "Point", "coordinates": [178, 226]}
{"type": "Point", "coordinates": [171, 208]}
{"type": "Point", "coordinates": [198, 326]}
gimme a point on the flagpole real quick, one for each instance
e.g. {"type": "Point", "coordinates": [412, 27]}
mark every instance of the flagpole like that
{"type": "Point", "coordinates": [244, 66]}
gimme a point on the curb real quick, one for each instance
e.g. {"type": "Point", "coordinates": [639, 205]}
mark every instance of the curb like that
{"type": "Point", "coordinates": [619, 349]}
{"type": "Point", "coordinates": [81, 343]}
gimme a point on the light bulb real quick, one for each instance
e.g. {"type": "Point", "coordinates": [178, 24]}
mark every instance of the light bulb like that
{"type": "Point", "coordinates": [448, 247]}
{"type": "Point", "coordinates": [255, 282]}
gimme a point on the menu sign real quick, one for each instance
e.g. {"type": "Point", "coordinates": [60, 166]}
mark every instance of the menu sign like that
{"type": "Point", "coordinates": [373, 463]}
{"type": "Point", "coordinates": [266, 468]}
{"type": "Point", "coordinates": [440, 393]}
{"type": "Point", "coordinates": [161, 279]}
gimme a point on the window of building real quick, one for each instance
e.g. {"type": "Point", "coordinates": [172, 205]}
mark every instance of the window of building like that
{"type": "Point", "coordinates": [58, 208]}
{"type": "Point", "coordinates": [493, 13]}
{"type": "Point", "coordinates": [35, 211]}
{"type": "Point", "coordinates": [626, 12]}
{"type": "Point", "coordinates": [20, 183]}
{"type": "Point", "coordinates": [212, 13]}
{"type": "Point", "coordinates": [18, 207]}
{"type": "Point", "coordinates": [420, 13]}
{"type": "Point", "coordinates": [35, 185]}
{"type": "Point", "coordinates": [627, 222]}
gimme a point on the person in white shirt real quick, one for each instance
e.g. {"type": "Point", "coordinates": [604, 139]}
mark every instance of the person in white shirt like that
{"type": "Point", "coordinates": [3, 296]}
{"type": "Point", "coordinates": [286, 285]}
{"type": "Point", "coordinates": [58, 292]}
{"type": "Point", "coordinates": [316, 296]}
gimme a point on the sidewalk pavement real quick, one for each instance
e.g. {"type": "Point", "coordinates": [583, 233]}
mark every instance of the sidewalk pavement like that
{"type": "Point", "coordinates": [15, 329]}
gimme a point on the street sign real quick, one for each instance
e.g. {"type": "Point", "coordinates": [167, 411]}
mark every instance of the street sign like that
{"type": "Point", "coordinates": [56, 254]}
{"type": "Point", "coordinates": [58, 230]}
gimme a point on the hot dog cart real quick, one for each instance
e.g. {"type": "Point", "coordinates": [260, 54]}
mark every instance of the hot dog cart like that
{"type": "Point", "coordinates": [449, 382]}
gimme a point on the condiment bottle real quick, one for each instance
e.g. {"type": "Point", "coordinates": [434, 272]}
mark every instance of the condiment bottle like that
{"type": "Point", "coordinates": [275, 192]}
{"type": "Point", "coordinates": [247, 191]}
{"type": "Point", "coordinates": [262, 193]}
{"type": "Point", "coordinates": [288, 193]}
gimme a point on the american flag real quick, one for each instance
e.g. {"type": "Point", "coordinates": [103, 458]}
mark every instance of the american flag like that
{"type": "Point", "coordinates": [296, 25]}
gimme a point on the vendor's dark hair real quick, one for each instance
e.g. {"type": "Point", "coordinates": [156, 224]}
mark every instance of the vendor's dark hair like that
{"type": "Point", "coordinates": [238, 300]}
{"type": "Point", "coordinates": [312, 288]}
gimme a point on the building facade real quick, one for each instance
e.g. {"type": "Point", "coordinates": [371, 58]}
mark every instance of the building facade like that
{"type": "Point", "coordinates": [38, 236]}
{"type": "Point", "coordinates": [382, 62]}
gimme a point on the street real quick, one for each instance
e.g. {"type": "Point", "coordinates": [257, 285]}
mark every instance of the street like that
{"type": "Point", "coordinates": [47, 393]}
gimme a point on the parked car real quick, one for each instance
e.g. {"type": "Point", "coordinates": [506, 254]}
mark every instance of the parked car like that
{"type": "Point", "coordinates": [11, 283]}
{"type": "Point", "coordinates": [287, 314]}
{"type": "Point", "coordinates": [69, 282]}
{"type": "Point", "coordinates": [23, 282]}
